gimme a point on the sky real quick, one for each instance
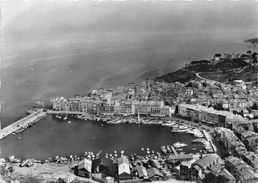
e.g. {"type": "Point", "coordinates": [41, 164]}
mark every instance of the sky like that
{"type": "Point", "coordinates": [41, 17]}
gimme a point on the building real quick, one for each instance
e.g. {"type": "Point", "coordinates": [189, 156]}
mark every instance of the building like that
{"type": "Point", "coordinates": [250, 139]}
{"type": "Point", "coordinates": [84, 168]}
{"type": "Point", "coordinates": [240, 170]}
{"type": "Point", "coordinates": [104, 166]}
{"type": "Point", "coordinates": [124, 172]}
{"type": "Point", "coordinates": [240, 83]}
{"type": "Point", "coordinates": [60, 104]}
{"type": "Point", "coordinates": [207, 162]}
{"type": "Point", "coordinates": [75, 104]}
{"type": "Point", "coordinates": [142, 172]}
{"type": "Point", "coordinates": [201, 114]}
{"type": "Point", "coordinates": [213, 117]}
{"type": "Point", "coordinates": [232, 143]}
{"type": "Point", "coordinates": [185, 167]}
{"type": "Point", "coordinates": [154, 174]}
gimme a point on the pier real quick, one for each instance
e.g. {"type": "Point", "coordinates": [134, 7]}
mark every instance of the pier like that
{"type": "Point", "coordinates": [22, 123]}
{"type": "Point", "coordinates": [174, 150]}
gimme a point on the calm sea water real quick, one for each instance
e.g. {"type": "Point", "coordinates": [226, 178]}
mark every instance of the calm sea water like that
{"type": "Point", "coordinates": [50, 137]}
{"type": "Point", "coordinates": [39, 68]}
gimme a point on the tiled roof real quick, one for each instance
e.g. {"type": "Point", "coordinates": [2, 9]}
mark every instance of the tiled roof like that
{"type": "Point", "coordinates": [206, 160]}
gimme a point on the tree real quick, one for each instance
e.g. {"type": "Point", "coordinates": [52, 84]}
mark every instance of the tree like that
{"type": "Point", "coordinates": [217, 55]}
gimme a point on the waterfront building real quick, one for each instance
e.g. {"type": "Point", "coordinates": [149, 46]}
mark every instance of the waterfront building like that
{"type": "Point", "coordinates": [195, 170]}
{"type": "Point", "coordinates": [84, 168]}
{"type": "Point", "coordinates": [214, 117]}
{"type": "Point", "coordinates": [75, 104]}
{"type": "Point", "coordinates": [124, 172]}
{"type": "Point", "coordinates": [201, 114]}
{"type": "Point", "coordinates": [208, 161]}
{"type": "Point", "coordinates": [104, 166]}
{"type": "Point", "coordinates": [60, 104]}
{"type": "Point", "coordinates": [126, 107]}
{"type": "Point", "coordinates": [240, 170]}
{"type": "Point", "coordinates": [154, 174]}
{"type": "Point", "coordinates": [185, 167]}
{"type": "Point", "coordinates": [141, 107]}
{"type": "Point", "coordinates": [142, 172]}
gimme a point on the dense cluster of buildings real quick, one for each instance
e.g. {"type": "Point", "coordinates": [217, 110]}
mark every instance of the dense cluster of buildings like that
{"type": "Point", "coordinates": [231, 108]}
{"type": "Point", "coordinates": [196, 170]}
{"type": "Point", "coordinates": [124, 100]}
{"type": "Point", "coordinates": [121, 170]}
{"type": "Point", "coordinates": [212, 117]}
{"type": "Point", "coordinates": [123, 107]}
{"type": "Point", "coordinates": [241, 160]}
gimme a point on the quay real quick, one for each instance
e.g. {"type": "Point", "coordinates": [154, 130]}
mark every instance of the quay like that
{"type": "Point", "coordinates": [65, 112]}
{"type": "Point", "coordinates": [209, 139]}
{"type": "Point", "coordinates": [22, 123]}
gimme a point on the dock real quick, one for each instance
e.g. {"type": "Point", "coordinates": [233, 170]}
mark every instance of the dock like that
{"type": "Point", "coordinates": [174, 150]}
{"type": "Point", "coordinates": [209, 139]}
{"type": "Point", "coordinates": [22, 123]}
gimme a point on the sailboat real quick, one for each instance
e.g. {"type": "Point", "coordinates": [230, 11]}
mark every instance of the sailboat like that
{"type": "Point", "coordinates": [139, 120]}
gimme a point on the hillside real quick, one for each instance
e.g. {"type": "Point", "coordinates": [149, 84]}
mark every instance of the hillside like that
{"type": "Point", "coordinates": [224, 71]}
{"type": "Point", "coordinates": [249, 74]}
{"type": "Point", "coordinates": [180, 76]}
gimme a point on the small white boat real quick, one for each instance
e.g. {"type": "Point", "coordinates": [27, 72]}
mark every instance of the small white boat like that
{"type": "Point", "coordinates": [69, 122]}
{"type": "Point", "coordinates": [65, 118]}
{"type": "Point", "coordinates": [179, 145]}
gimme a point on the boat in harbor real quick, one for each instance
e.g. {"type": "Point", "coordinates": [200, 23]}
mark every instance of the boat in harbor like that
{"type": "Point", "coordinates": [197, 141]}
{"type": "Point", "coordinates": [164, 149]}
{"type": "Point", "coordinates": [168, 149]}
{"type": "Point", "coordinates": [179, 145]}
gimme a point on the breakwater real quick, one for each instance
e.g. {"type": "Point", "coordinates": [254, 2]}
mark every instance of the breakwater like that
{"type": "Point", "coordinates": [22, 123]}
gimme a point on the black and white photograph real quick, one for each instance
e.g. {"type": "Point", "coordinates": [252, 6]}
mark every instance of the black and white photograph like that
{"type": "Point", "coordinates": [128, 91]}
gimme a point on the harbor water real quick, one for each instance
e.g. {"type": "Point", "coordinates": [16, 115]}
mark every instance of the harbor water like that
{"type": "Point", "coordinates": [51, 137]}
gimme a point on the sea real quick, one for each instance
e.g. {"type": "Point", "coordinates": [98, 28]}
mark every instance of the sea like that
{"type": "Point", "coordinates": [42, 67]}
